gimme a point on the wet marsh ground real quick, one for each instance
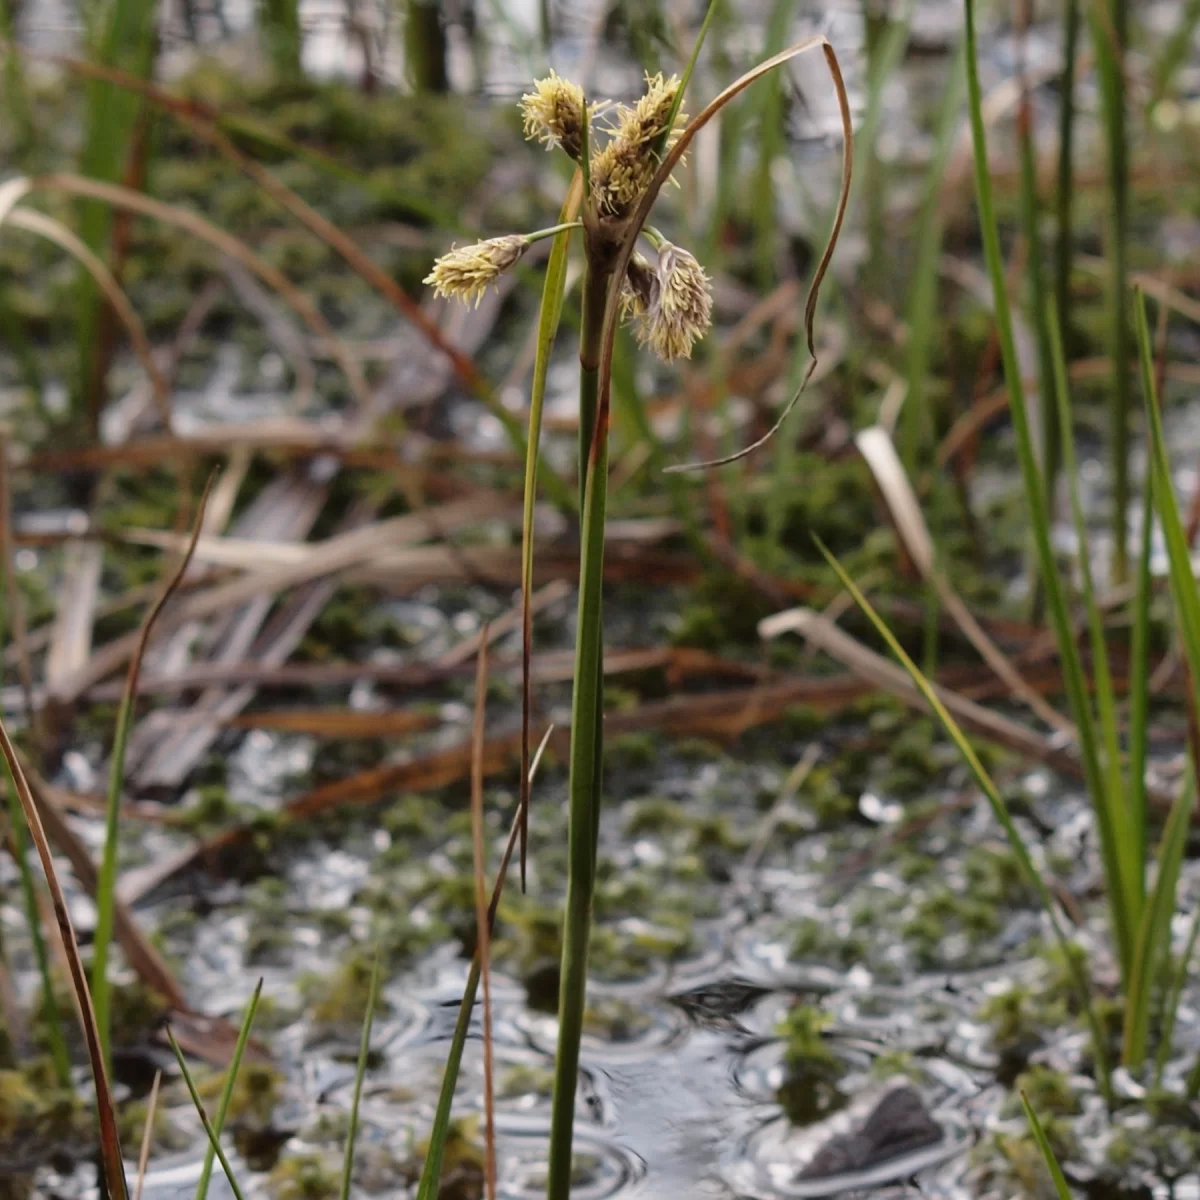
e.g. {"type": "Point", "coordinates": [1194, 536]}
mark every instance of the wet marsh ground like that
{"type": "Point", "coordinates": [804, 905]}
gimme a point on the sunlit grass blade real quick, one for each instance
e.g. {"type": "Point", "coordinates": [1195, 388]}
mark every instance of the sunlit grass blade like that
{"type": "Point", "coordinates": [999, 808]}
{"type": "Point", "coordinates": [147, 1136]}
{"type": "Point", "coordinates": [214, 1138]}
{"type": "Point", "coordinates": [1129, 834]}
{"type": "Point", "coordinates": [1154, 936]}
{"type": "Point", "coordinates": [360, 1072]}
{"type": "Point", "coordinates": [1072, 667]}
{"type": "Point", "coordinates": [1039, 1136]}
{"type": "Point", "coordinates": [553, 290]}
{"type": "Point", "coordinates": [226, 1096]}
{"type": "Point", "coordinates": [686, 77]}
{"type": "Point", "coordinates": [106, 888]}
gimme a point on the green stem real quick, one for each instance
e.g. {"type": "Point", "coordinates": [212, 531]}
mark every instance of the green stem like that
{"type": "Point", "coordinates": [1110, 36]}
{"type": "Point", "coordinates": [1066, 187]}
{"type": "Point", "coordinates": [586, 741]}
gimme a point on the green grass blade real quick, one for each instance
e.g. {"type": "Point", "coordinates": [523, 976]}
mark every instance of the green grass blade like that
{"type": "Point", "coordinates": [127, 41]}
{"type": "Point", "coordinates": [1072, 666]}
{"type": "Point", "coordinates": [106, 885]}
{"type": "Point", "coordinates": [1109, 26]}
{"type": "Point", "coordinates": [1065, 197]}
{"type": "Point", "coordinates": [50, 1010]}
{"type": "Point", "coordinates": [1175, 52]}
{"type": "Point", "coordinates": [1154, 936]}
{"type": "Point", "coordinates": [999, 808]}
{"type": "Point", "coordinates": [227, 1090]}
{"type": "Point", "coordinates": [1129, 841]}
{"type": "Point", "coordinates": [1171, 1005]}
{"type": "Point", "coordinates": [364, 1052]}
{"type": "Point", "coordinates": [916, 427]}
{"type": "Point", "coordinates": [1139, 686]}
{"type": "Point", "coordinates": [1039, 1136]}
{"type": "Point", "coordinates": [553, 290]}
{"type": "Point", "coordinates": [431, 1169]}
{"type": "Point", "coordinates": [214, 1139]}
{"type": "Point", "coordinates": [686, 78]}
{"type": "Point", "coordinates": [1035, 274]}
{"type": "Point", "coordinates": [1184, 590]}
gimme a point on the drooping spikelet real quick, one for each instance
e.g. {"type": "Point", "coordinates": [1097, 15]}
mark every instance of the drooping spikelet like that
{"type": "Point", "coordinates": [464, 272]}
{"type": "Point", "coordinates": [553, 114]}
{"type": "Point", "coordinates": [680, 307]}
{"type": "Point", "coordinates": [623, 168]}
{"type": "Point", "coordinates": [639, 288]}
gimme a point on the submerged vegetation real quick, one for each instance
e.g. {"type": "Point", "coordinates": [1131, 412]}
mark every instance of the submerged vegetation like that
{"type": "Point", "coordinates": [521, 678]}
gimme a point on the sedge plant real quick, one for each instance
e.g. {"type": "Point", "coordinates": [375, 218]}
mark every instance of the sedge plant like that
{"type": "Point", "coordinates": [1141, 888]}
{"type": "Point", "coordinates": [633, 274]}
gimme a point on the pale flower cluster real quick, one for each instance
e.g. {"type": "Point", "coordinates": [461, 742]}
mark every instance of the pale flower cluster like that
{"type": "Point", "coordinates": [669, 302]}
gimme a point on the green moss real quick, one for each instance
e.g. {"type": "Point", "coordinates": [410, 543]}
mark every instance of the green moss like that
{"type": "Point", "coordinates": [342, 998]}
{"type": "Point", "coordinates": [654, 814]}
{"type": "Point", "coordinates": [304, 1177]}
{"type": "Point", "coordinates": [257, 1092]}
{"type": "Point", "coordinates": [633, 751]}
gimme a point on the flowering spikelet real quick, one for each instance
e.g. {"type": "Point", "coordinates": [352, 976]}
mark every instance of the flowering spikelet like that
{"type": "Point", "coordinates": [639, 288]}
{"type": "Point", "coordinates": [553, 114]}
{"type": "Point", "coordinates": [623, 168]}
{"type": "Point", "coordinates": [464, 272]}
{"type": "Point", "coordinates": [680, 306]}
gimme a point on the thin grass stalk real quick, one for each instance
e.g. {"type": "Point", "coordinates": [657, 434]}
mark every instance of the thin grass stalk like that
{"type": "Point", "coordinates": [586, 755]}
{"type": "Point", "coordinates": [1174, 995]}
{"type": "Point", "coordinates": [1154, 936]}
{"type": "Point", "coordinates": [999, 808]}
{"type": "Point", "coordinates": [1174, 53]}
{"type": "Point", "coordinates": [360, 1073]}
{"type": "Point", "coordinates": [147, 1137]}
{"type": "Point", "coordinates": [1073, 676]}
{"type": "Point", "coordinates": [482, 932]}
{"type": "Point", "coordinates": [128, 40]}
{"type": "Point", "coordinates": [110, 1139]}
{"type": "Point", "coordinates": [1130, 841]}
{"type": "Point", "coordinates": [106, 888]}
{"type": "Point", "coordinates": [431, 1170]}
{"type": "Point", "coordinates": [1031, 221]}
{"type": "Point", "coordinates": [1065, 188]}
{"type": "Point", "coordinates": [1109, 24]}
{"type": "Point", "coordinates": [1139, 684]}
{"type": "Point", "coordinates": [549, 318]}
{"type": "Point", "coordinates": [214, 1139]}
{"type": "Point", "coordinates": [11, 624]}
{"type": "Point", "coordinates": [1039, 1135]}
{"type": "Point", "coordinates": [226, 1096]}
{"type": "Point", "coordinates": [51, 1015]}
{"type": "Point", "coordinates": [916, 427]}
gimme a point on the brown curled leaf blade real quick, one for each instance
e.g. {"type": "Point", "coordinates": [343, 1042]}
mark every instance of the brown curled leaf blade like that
{"type": "Point", "coordinates": [110, 1140]}
{"type": "Point", "coordinates": [642, 213]}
